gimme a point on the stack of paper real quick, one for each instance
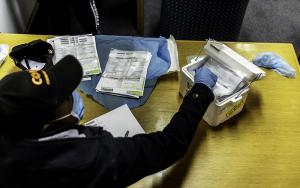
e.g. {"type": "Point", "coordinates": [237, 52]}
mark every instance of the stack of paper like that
{"type": "Point", "coordinates": [120, 122]}
{"type": "Point", "coordinates": [125, 73]}
{"type": "Point", "coordinates": [83, 47]}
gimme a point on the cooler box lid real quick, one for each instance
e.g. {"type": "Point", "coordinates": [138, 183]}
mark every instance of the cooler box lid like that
{"type": "Point", "coordinates": [240, 65]}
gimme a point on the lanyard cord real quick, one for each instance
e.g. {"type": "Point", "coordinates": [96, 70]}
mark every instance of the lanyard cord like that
{"type": "Point", "coordinates": [96, 15]}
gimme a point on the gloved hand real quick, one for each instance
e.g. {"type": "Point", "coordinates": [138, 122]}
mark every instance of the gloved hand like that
{"type": "Point", "coordinates": [205, 76]}
{"type": "Point", "coordinates": [77, 111]}
{"type": "Point", "coordinates": [78, 106]}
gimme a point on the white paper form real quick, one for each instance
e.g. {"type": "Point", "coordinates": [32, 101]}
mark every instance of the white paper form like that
{"type": "Point", "coordinates": [125, 73]}
{"type": "Point", "coordinates": [120, 122]}
{"type": "Point", "coordinates": [83, 47]}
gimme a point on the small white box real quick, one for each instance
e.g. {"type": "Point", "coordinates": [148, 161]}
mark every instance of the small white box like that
{"type": "Point", "coordinates": [222, 110]}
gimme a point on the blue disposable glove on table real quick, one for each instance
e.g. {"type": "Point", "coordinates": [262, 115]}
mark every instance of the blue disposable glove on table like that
{"type": "Point", "coordinates": [205, 76]}
{"type": "Point", "coordinates": [273, 61]}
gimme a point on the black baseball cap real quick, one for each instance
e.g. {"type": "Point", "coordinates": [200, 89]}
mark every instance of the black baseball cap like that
{"type": "Point", "coordinates": [29, 98]}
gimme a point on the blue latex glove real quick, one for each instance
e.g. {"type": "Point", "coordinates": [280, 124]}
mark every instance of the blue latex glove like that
{"type": "Point", "coordinates": [273, 61]}
{"type": "Point", "coordinates": [205, 76]}
{"type": "Point", "coordinates": [78, 106]}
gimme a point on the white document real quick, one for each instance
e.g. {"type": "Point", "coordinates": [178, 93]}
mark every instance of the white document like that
{"type": "Point", "coordinates": [125, 73]}
{"type": "Point", "coordinates": [83, 47]}
{"type": "Point", "coordinates": [120, 122]}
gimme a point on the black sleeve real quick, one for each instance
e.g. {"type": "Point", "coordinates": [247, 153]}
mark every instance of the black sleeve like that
{"type": "Point", "coordinates": [145, 154]}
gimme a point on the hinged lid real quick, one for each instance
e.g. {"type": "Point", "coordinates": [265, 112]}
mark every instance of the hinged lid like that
{"type": "Point", "coordinates": [240, 65]}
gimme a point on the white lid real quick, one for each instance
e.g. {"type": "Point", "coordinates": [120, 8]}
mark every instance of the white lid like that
{"type": "Point", "coordinates": [240, 65]}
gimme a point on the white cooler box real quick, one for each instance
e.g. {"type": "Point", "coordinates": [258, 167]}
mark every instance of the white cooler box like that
{"type": "Point", "coordinates": [221, 110]}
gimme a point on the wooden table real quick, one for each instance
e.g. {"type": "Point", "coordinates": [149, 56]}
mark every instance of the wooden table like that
{"type": "Point", "coordinates": [260, 147]}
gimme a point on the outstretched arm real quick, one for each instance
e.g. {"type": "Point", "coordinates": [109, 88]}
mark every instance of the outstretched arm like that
{"type": "Point", "coordinates": [144, 154]}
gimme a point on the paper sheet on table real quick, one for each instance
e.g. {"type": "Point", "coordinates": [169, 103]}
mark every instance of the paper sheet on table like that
{"type": "Point", "coordinates": [120, 122]}
{"type": "Point", "coordinates": [83, 47]}
{"type": "Point", "coordinates": [125, 73]}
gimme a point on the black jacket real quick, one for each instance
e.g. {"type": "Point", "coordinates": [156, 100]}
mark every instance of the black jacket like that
{"type": "Point", "coordinates": [65, 17]}
{"type": "Point", "coordinates": [100, 160]}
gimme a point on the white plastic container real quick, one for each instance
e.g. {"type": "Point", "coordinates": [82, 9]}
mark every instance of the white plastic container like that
{"type": "Point", "coordinates": [222, 110]}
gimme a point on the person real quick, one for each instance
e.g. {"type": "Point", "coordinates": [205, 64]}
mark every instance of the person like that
{"type": "Point", "coordinates": [73, 17]}
{"type": "Point", "coordinates": [42, 144]}
{"type": "Point", "coordinates": [55, 17]}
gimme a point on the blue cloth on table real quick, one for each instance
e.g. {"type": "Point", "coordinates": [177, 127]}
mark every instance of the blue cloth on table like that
{"type": "Point", "coordinates": [273, 61]}
{"type": "Point", "coordinates": [159, 65]}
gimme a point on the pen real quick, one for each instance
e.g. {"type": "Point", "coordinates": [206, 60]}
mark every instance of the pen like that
{"type": "Point", "coordinates": [127, 133]}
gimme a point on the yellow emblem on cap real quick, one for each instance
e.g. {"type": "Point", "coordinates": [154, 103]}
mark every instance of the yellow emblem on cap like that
{"type": "Point", "coordinates": [37, 79]}
{"type": "Point", "coordinates": [46, 77]}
